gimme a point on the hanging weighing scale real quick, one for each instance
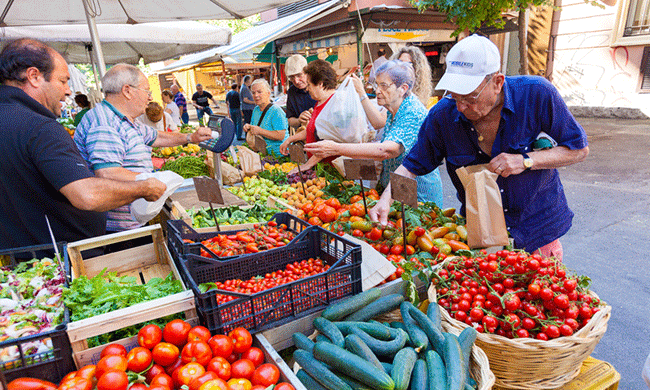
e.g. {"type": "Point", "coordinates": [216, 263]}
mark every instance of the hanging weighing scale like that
{"type": "Point", "coordinates": [223, 133]}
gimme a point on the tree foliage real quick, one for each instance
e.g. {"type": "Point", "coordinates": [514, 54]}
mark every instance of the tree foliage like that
{"type": "Point", "coordinates": [236, 25]}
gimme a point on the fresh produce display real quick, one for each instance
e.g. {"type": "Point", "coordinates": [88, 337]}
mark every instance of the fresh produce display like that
{"type": "Point", "coordinates": [258, 190]}
{"type": "Point", "coordinates": [353, 352]}
{"type": "Point", "coordinates": [285, 167]}
{"type": "Point", "coordinates": [107, 292]}
{"type": "Point", "coordinates": [515, 295]}
{"type": "Point", "coordinates": [306, 175]}
{"type": "Point", "coordinates": [293, 271]}
{"type": "Point", "coordinates": [187, 166]}
{"type": "Point", "coordinates": [178, 151]}
{"type": "Point", "coordinates": [233, 215]}
{"type": "Point", "coordinates": [30, 303]}
{"type": "Point", "coordinates": [297, 198]}
{"type": "Point", "coordinates": [259, 238]}
{"type": "Point", "coordinates": [178, 356]}
{"type": "Point", "coordinates": [68, 124]}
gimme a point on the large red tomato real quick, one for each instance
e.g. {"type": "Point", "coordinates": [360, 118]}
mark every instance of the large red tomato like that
{"type": "Point", "coordinates": [199, 333]}
{"type": "Point", "coordinates": [196, 383]}
{"type": "Point", "coordinates": [242, 339]}
{"type": "Point", "coordinates": [283, 386]}
{"type": "Point", "coordinates": [255, 355]}
{"type": "Point", "coordinates": [162, 380]}
{"type": "Point", "coordinates": [138, 359]}
{"type": "Point", "coordinates": [113, 349]}
{"type": "Point", "coordinates": [215, 384]}
{"type": "Point", "coordinates": [239, 384]}
{"type": "Point", "coordinates": [243, 368]}
{"type": "Point", "coordinates": [221, 367]}
{"type": "Point", "coordinates": [189, 372]}
{"type": "Point", "coordinates": [110, 362]}
{"type": "Point", "coordinates": [165, 354]}
{"type": "Point", "coordinates": [196, 351]}
{"type": "Point", "coordinates": [266, 375]}
{"type": "Point", "coordinates": [221, 345]}
{"type": "Point", "coordinates": [149, 336]}
{"type": "Point", "coordinates": [153, 371]}
{"type": "Point", "coordinates": [76, 383]}
{"type": "Point", "coordinates": [176, 332]}
{"type": "Point", "coordinates": [113, 380]}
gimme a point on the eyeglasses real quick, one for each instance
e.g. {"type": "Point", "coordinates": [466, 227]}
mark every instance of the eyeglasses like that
{"type": "Point", "coordinates": [469, 99]}
{"type": "Point", "coordinates": [145, 90]}
{"type": "Point", "coordinates": [296, 76]}
{"type": "Point", "coordinates": [383, 86]}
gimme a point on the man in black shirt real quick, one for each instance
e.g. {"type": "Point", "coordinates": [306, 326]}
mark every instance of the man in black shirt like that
{"type": "Point", "coordinates": [234, 109]}
{"type": "Point", "coordinates": [298, 99]}
{"type": "Point", "coordinates": [200, 101]}
{"type": "Point", "coordinates": [41, 170]}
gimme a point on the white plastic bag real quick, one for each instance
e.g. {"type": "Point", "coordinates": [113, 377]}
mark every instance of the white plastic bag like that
{"type": "Point", "coordinates": [144, 211]}
{"type": "Point", "coordinates": [342, 119]}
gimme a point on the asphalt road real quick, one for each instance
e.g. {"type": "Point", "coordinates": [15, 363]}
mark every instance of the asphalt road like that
{"type": "Point", "coordinates": [609, 193]}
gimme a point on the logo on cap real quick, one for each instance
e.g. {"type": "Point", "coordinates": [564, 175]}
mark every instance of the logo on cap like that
{"type": "Point", "coordinates": [462, 64]}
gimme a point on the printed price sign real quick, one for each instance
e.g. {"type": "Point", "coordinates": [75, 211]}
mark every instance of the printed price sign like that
{"type": "Point", "coordinates": [404, 189]}
{"type": "Point", "coordinates": [208, 190]}
{"type": "Point", "coordinates": [297, 153]}
{"type": "Point", "coordinates": [360, 169]}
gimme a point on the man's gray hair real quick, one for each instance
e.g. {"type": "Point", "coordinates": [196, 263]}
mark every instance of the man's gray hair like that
{"type": "Point", "coordinates": [120, 75]}
{"type": "Point", "coordinates": [263, 82]}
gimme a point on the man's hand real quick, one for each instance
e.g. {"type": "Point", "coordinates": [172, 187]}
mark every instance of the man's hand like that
{"type": "Point", "coordinates": [284, 147]}
{"type": "Point", "coordinates": [380, 211]}
{"type": "Point", "coordinates": [322, 149]}
{"type": "Point", "coordinates": [305, 116]}
{"type": "Point", "coordinates": [201, 134]}
{"type": "Point", "coordinates": [506, 164]}
{"type": "Point", "coordinates": [155, 189]}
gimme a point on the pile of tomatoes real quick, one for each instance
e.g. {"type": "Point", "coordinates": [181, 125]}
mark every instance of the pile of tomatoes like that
{"type": "Point", "coordinates": [177, 357]}
{"type": "Point", "coordinates": [515, 295]}
{"type": "Point", "coordinates": [259, 238]}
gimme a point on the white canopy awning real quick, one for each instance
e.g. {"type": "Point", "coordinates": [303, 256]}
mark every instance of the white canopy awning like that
{"type": "Point", "coordinates": [126, 43]}
{"type": "Point", "coordinates": [258, 35]}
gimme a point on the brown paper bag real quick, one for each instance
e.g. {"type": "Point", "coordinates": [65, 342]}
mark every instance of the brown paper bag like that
{"type": "Point", "coordinates": [229, 174]}
{"type": "Point", "coordinates": [486, 223]}
{"type": "Point", "coordinates": [249, 161]}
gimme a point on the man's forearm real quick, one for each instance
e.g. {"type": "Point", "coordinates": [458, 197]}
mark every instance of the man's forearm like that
{"type": "Point", "coordinates": [559, 156]}
{"type": "Point", "coordinates": [98, 194]}
{"type": "Point", "coordinates": [166, 138]}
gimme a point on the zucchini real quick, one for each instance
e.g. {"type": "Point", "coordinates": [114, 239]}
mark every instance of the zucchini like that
{"type": "Point", "coordinates": [302, 342]}
{"type": "Point", "coordinates": [466, 340]}
{"type": "Point", "coordinates": [382, 347]}
{"type": "Point", "coordinates": [435, 371]}
{"type": "Point", "coordinates": [419, 380]}
{"type": "Point", "coordinates": [379, 331]}
{"type": "Point", "coordinates": [309, 382]}
{"type": "Point", "coordinates": [380, 306]}
{"type": "Point", "coordinates": [348, 306]}
{"type": "Point", "coordinates": [433, 312]}
{"type": "Point", "coordinates": [354, 344]}
{"type": "Point", "coordinates": [327, 328]}
{"type": "Point", "coordinates": [319, 371]}
{"type": "Point", "coordinates": [453, 358]}
{"type": "Point", "coordinates": [434, 334]}
{"type": "Point", "coordinates": [403, 364]}
{"type": "Point", "coordinates": [400, 325]}
{"type": "Point", "coordinates": [418, 338]}
{"type": "Point", "coordinates": [354, 366]}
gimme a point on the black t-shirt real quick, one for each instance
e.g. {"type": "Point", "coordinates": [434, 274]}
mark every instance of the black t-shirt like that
{"type": "Point", "coordinates": [298, 100]}
{"type": "Point", "coordinates": [202, 100]}
{"type": "Point", "coordinates": [232, 98]}
{"type": "Point", "coordinates": [37, 159]}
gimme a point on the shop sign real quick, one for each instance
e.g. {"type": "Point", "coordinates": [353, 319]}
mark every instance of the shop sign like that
{"type": "Point", "coordinates": [389, 35]}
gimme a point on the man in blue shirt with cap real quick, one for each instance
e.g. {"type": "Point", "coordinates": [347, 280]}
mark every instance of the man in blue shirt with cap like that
{"type": "Point", "coordinates": [488, 118]}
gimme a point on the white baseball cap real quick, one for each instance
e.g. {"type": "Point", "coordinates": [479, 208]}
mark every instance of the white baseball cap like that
{"type": "Point", "coordinates": [468, 62]}
{"type": "Point", "coordinates": [294, 65]}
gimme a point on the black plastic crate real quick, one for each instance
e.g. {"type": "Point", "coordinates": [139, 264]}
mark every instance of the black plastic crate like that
{"type": "Point", "coordinates": [281, 304]}
{"type": "Point", "coordinates": [51, 365]}
{"type": "Point", "coordinates": [178, 232]}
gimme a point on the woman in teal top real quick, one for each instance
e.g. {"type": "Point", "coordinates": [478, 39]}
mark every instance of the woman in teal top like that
{"type": "Point", "coordinates": [82, 101]}
{"type": "Point", "coordinates": [273, 124]}
{"type": "Point", "coordinates": [405, 114]}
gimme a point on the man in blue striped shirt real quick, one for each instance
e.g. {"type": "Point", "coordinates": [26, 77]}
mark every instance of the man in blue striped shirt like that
{"type": "Point", "coordinates": [117, 147]}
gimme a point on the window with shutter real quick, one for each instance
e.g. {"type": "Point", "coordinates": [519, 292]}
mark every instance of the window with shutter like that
{"type": "Point", "coordinates": [645, 71]}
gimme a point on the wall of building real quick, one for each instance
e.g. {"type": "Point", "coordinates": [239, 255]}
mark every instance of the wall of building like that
{"type": "Point", "coordinates": [589, 72]}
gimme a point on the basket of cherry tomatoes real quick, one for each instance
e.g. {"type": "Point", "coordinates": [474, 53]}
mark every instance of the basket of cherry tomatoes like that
{"type": "Point", "coordinates": [178, 356]}
{"type": "Point", "coordinates": [537, 322]}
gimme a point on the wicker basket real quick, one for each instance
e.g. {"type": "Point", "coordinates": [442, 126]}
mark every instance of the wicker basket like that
{"type": "Point", "coordinates": [532, 364]}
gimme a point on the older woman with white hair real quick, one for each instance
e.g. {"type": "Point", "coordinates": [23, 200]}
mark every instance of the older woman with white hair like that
{"type": "Point", "coordinates": [268, 120]}
{"type": "Point", "coordinates": [405, 114]}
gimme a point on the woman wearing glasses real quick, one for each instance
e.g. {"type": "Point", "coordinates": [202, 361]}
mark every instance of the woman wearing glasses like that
{"type": "Point", "coordinates": [404, 115]}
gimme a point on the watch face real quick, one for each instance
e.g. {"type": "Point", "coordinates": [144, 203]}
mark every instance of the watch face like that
{"type": "Point", "coordinates": [528, 162]}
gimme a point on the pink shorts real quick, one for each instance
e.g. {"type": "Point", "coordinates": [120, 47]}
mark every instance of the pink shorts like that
{"type": "Point", "coordinates": [552, 249]}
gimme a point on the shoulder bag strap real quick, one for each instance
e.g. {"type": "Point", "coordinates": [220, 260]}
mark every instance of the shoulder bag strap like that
{"type": "Point", "coordinates": [264, 113]}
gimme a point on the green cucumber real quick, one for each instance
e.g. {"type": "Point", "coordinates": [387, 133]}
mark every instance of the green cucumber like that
{"type": "Point", "coordinates": [418, 338]}
{"type": "Point", "coordinates": [435, 371]}
{"type": "Point", "coordinates": [466, 340]}
{"type": "Point", "coordinates": [353, 366]}
{"type": "Point", "coordinates": [355, 385]}
{"type": "Point", "coordinates": [318, 370]}
{"type": "Point", "coordinates": [309, 382]}
{"type": "Point", "coordinates": [327, 328]}
{"type": "Point", "coordinates": [380, 306]}
{"type": "Point", "coordinates": [302, 342]}
{"type": "Point", "coordinates": [433, 312]}
{"type": "Point", "coordinates": [322, 337]}
{"type": "Point", "coordinates": [383, 347]}
{"type": "Point", "coordinates": [403, 364]}
{"type": "Point", "coordinates": [348, 306]}
{"type": "Point", "coordinates": [354, 344]}
{"type": "Point", "coordinates": [453, 358]}
{"type": "Point", "coordinates": [419, 380]}
{"type": "Point", "coordinates": [379, 331]}
{"type": "Point", "coordinates": [434, 334]}
{"type": "Point", "coordinates": [388, 367]}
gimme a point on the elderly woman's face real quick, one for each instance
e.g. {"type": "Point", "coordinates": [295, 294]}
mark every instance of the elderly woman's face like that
{"type": "Point", "coordinates": [261, 95]}
{"type": "Point", "coordinates": [405, 57]}
{"type": "Point", "coordinates": [389, 95]}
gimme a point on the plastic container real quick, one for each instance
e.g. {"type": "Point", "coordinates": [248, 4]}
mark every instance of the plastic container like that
{"type": "Point", "coordinates": [51, 365]}
{"type": "Point", "coordinates": [281, 304]}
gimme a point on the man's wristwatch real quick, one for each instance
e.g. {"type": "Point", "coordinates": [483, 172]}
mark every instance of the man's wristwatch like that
{"type": "Point", "coordinates": [188, 138]}
{"type": "Point", "coordinates": [528, 162]}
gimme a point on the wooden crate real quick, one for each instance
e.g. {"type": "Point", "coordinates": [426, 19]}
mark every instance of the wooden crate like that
{"type": "Point", "coordinates": [143, 262]}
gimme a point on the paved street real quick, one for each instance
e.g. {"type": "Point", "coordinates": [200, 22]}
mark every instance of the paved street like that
{"type": "Point", "coordinates": [610, 195]}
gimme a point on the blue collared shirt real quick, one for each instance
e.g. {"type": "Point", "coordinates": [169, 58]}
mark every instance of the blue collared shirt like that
{"type": "Point", "coordinates": [534, 204]}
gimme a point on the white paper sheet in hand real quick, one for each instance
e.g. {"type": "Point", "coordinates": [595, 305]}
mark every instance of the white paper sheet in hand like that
{"type": "Point", "coordinates": [144, 211]}
{"type": "Point", "coordinates": [374, 266]}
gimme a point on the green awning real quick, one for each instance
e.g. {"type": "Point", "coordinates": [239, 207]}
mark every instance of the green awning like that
{"type": "Point", "coordinates": [266, 55]}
